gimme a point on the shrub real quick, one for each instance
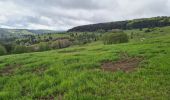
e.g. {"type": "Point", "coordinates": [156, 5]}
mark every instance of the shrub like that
{"type": "Point", "coordinates": [2, 50]}
{"type": "Point", "coordinates": [33, 48]}
{"type": "Point", "coordinates": [114, 38]}
{"type": "Point", "coordinates": [20, 49]}
{"type": "Point", "coordinates": [64, 43]}
{"type": "Point", "coordinates": [60, 44]}
{"type": "Point", "coordinates": [8, 47]}
{"type": "Point", "coordinates": [147, 31]}
{"type": "Point", "coordinates": [44, 46]}
{"type": "Point", "coordinates": [55, 45]}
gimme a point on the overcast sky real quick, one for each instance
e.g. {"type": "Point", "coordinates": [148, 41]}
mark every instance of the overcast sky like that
{"type": "Point", "coordinates": [65, 14]}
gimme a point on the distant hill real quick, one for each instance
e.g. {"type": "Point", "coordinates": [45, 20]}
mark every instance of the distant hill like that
{"type": "Point", "coordinates": [129, 24]}
{"type": "Point", "coordinates": [42, 31]}
{"type": "Point", "coordinates": [7, 33]}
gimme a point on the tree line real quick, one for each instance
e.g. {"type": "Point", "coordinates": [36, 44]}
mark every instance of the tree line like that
{"type": "Point", "coordinates": [130, 24]}
{"type": "Point", "coordinates": [36, 43]}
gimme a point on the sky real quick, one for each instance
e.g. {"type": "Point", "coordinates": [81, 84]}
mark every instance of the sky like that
{"type": "Point", "coordinates": [65, 14]}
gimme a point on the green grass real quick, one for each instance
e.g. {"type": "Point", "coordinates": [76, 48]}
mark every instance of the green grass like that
{"type": "Point", "coordinates": [154, 32]}
{"type": "Point", "coordinates": [74, 73]}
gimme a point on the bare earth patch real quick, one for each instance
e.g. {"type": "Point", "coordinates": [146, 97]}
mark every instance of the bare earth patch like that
{"type": "Point", "coordinates": [44, 98]}
{"type": "Point", "coordinates": [39, 70]}
{"type": "Point", "coordinates": [126, 65]}
{"type": "Point", "coordinates": [51, 97]}
{"type": "Point", "coordinates": [8, 70]}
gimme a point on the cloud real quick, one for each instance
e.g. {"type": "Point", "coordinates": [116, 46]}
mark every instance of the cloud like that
{"type": "Point", "coordinates": [65, 14]}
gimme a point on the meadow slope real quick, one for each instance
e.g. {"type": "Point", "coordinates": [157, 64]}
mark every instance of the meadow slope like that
{"type": "Point", "coordinates": [75, 73]}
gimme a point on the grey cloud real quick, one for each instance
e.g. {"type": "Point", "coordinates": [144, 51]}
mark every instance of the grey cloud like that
{"type": "Point", "coordinates": [69, 4]}
{"type": "Point", "coordinates": [64, 14]}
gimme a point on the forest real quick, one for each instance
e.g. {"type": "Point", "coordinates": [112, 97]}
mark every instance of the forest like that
{"type": "Point", "coordinates": [125, 25]}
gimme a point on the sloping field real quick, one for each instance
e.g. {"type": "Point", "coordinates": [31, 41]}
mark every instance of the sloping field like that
{"type": "Point", "coordinates": [77, 72]}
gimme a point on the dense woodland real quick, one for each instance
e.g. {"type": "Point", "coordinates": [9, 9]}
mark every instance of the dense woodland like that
{"type": "Point", "coordinates": [44, 42]}
{"type": "Point", "coordinates": [129, 24]}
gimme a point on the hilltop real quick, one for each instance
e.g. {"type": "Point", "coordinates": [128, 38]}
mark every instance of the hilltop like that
{"type": "Point", "coordinates": [129, 24]}
{"type": "Point", "coordinates": [10, 33]}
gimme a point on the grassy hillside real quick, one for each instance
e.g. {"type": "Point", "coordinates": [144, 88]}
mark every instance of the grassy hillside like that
{"type": "Point", "coordinates": [76, 73]}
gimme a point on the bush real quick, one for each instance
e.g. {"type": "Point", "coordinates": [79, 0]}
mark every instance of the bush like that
{"type": "Point", "coordinates": [8, 47]}
{"type": "Point", "coordinates": [55, 45]}
{"type": "Point", "coordinates": [2, 50]}
{"type": "Point", "coordinates": [114, 38]}
{"type": "Point", "coordinates": [64, 43]}
{"type": "Point", "coordinates": [44, 46]}
{"type": "Point", "coordinates": [60, 44]}
{"type": "Point", "coordinates": [20, 49]}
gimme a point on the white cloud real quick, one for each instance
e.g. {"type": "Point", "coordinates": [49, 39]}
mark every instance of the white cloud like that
{"type": "Point", "coordinates": [64, 14]}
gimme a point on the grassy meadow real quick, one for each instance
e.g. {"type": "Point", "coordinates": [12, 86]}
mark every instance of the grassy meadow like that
{"type": "Point", "coordinates": [75, 73]}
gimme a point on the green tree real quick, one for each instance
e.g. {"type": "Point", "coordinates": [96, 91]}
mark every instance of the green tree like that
{"type": "Point", "coordinates": [2, 50]}
{"type": "Point", "coordinates": [114, 38]}
{"type": "Point", "coordinates": [55, 45]}
{"type": "Point", "coordinates": [43, 46]}
{"type": "Point", "coordinates": [20, 49]}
